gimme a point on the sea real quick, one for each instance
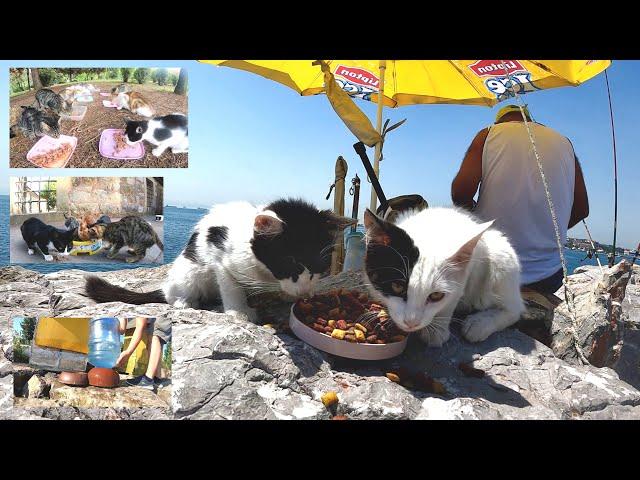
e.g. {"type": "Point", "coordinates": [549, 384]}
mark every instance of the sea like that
{"type": "Point", "coordinates": [178, 224]}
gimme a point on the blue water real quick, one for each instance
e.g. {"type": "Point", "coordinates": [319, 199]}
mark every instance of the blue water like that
{"type": "Point", "coordinates": [179, 223]}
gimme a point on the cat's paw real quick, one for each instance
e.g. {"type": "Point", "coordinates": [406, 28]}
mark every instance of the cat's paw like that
{"type": "Point", "coordinates": [48, 258]}
{"type": "Point", "coordinates": [434, 339]}
{"type": "Point", "coordinates": [30, 252]}
{"type": "Point", "coordinates": [250, 313]}
{"type": "Point", "coordinates": [157, 152]}
{"type": "Point", "coordinates": [479, 326]}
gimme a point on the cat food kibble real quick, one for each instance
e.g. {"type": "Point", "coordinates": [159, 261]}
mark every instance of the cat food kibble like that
{"type": "Point", "coordinates": [329, 398]}
{"type": "Point", "coordinates": [349, 316]}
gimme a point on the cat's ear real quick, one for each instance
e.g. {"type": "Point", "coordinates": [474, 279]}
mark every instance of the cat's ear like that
{"type": "Point", "coordinates": [377, 228]}
{"type": "Point", "coordinates": [462, 257]}
{"type": "Point", "coordinates": [267, 224]}
{"type": "Point", "coordinates": [339, 222]}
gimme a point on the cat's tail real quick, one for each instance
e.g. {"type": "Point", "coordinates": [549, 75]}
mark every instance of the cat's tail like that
{"type": "Point", "coordinates": [158, 241]}
{"type": "Point", "coordinates": [102, 291]}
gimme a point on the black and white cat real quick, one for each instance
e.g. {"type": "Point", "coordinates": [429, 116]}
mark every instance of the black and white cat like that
{"type": "Point", "coordinates": [238, 249]}
{"type": "Point", "coordinates": [36, 233]}
{"type": "Point", "coordinates": [430, 262]}
{"type": "Point", "coordinates": [165, 132]}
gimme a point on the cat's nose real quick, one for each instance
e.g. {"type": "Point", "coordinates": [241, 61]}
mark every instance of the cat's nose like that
{"type": "Point", "coordinates": [412, 322]}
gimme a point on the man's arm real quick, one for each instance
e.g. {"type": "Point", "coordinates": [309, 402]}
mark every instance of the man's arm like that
{"type": "Point", "coordinates": [580, 209]}
{"type": "Point", "coordinates": [136, 338]}
{"type": "Point", "coordinates": [465, 185]}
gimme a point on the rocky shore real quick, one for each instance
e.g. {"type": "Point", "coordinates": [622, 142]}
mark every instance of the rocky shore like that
{"type": "Point", "coordinates": [227, 368]}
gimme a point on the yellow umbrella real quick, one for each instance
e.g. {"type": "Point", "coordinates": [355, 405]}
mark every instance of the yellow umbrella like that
{"type": "Point", "coordinates": [411, 82]}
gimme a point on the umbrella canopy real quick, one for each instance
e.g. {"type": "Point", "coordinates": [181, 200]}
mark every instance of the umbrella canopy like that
{"type": "Point", "coordinates": [410, 82]}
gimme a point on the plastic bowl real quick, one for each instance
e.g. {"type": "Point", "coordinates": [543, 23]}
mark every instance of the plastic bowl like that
{"type": "Point", "coordinates": [108, 145]}
{"type": "Point", "coordinates": [77, 113]}
{"type": "Point", "coordinates": [108, 104]}
{"type": "Point", "coordinates": [46, 144]}
{"type": "Point", "coordinates": [342, 348]}
{"type": "Point", "coordinates": [103, 377]}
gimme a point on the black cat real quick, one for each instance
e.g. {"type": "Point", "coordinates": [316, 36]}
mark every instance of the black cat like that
{"type": "Point", "coordinates": [37, 233]}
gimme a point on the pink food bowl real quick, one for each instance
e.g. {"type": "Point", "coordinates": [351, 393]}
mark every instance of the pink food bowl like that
{"type": "Point", "coordinates": [109, 104]}
{"type": "Point", "coordinates": [107, 147]}
{"type": "Point", "coordinates": [48, 144]}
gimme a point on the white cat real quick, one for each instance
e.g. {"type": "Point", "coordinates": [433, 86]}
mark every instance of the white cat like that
{"type": "Point", "coordinates": [239, 249]}
{"type": "Point", "coordinates": [170, 131]}
{"type": "Point", "coordinates": [428, 263]}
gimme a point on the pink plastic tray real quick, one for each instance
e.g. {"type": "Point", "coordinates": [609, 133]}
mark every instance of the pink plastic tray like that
{"type": "Point", "coordinates": [46, 144]}
{"type": "Point", "coordinates": [104, 94]}
{"type": "Point", "coordinates": [108, 145]}
{"type": "Point", "coordinates": [109, 104]}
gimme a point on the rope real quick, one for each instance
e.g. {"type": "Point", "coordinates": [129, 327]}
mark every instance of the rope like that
{"type": "Point", "coordinates": [592, 244]}
{"type": "Point", "coordinates": [568, 294]}
{"type": "Point", "coordinates": [615, 175]}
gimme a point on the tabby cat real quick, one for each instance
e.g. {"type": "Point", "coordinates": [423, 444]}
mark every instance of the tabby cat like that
{"type": "Point", "coordinates": [48, 99]}
{"type": "Point", "coordinates": [131, 231]}
{"type": "Point", "coordinates": [34, 123]}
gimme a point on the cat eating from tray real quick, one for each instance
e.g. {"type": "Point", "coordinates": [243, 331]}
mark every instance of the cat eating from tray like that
{"type": "Point", "coordinates": [169, 131]}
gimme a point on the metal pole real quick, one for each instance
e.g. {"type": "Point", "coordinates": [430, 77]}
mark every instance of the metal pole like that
{"type": "Point", "coordinates": [376, 161]}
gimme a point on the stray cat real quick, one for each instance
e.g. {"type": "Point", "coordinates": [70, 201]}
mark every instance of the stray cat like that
{"type": "Point", "coordinates": [34, 123]}
{"type": "Point", "coordinates": [131, 231]}
{"type": "Point", "coordinates": [37, 233]}
{"type": "Point", "coordinates": [48, 99]}
{"type": "Point", "coordinates": [134, 102]}
{"type": "Point", "coordinates": [122, 88]}
{"type": "Point", "coordinates": [239, 249]}
{"type": "Point", "coordinates": [433, 261]}
{"type": "Point", "coordinates": [165, 132]}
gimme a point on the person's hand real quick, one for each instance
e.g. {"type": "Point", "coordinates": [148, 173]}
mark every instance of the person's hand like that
{"type": "Point", "coordinates": [122, 359]}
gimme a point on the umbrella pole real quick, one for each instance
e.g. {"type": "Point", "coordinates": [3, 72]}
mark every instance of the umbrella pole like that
{"type": "Point", "coordinates": [376, 160]}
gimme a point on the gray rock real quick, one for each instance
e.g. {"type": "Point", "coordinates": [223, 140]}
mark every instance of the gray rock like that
{"type": "Point", "coordinates": [597, 314]}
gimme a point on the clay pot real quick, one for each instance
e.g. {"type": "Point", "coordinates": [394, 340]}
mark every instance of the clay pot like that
{"type": "Point", "coordinates": [77, 379]}
{"type": "Point", "coordinates": [103, 377]}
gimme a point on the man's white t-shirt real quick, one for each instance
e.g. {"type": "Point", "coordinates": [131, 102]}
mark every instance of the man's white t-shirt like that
{"type": "Point", "coordinates": [512, 192]}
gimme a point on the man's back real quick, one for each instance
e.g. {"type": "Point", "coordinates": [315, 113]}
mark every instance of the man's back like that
{"type": "Point", "coordinates": [512, 192]}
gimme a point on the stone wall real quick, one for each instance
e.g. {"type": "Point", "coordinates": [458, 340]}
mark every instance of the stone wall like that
{"type": "Point", "coordinates": [113, 196]}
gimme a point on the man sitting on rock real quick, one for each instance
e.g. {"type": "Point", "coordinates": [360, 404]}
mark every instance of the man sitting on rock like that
{"type": "Point", "coordinates": [501, 161]}
{"type": "Point", "coordinates": [161, 335]}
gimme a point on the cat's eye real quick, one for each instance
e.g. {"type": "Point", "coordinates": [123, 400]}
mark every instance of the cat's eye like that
{"type": "Point", "coordinates": [398, 287]}
{"type": "Point", "coordinates": [436, 296]}
{"type": "Point", "coordinates": [139, 130]}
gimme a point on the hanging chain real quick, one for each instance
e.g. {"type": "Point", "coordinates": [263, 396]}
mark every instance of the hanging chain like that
{"type": "Point", "coordinates": [568, 294]}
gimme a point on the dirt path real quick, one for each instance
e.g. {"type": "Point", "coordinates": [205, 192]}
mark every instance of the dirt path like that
{"type": "Point", "coordinates": [97, 119]}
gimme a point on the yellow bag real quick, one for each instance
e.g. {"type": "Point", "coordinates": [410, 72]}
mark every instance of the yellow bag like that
{"type": "Point", "coordinates": [63, 333]}
{"type": "Point", "coordinates": [349, 113]}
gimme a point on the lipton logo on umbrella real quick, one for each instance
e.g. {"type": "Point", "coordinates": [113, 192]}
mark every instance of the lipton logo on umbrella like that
{"type": "Point", "coordinates": [491, 68]}
{"type": "Point", "coordinates": [358, 76]}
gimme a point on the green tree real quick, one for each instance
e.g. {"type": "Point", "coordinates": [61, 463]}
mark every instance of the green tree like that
{"type": "Point", "coordinates": [162, 74]}
{"type": "Point", "coordinates": [28, 329]}
{"type": "Point", "coordinates": [126, 73]}
{"type": "Point", "coordinates": [19, 354]}
{"type": "Point", "coordinates": [141, 75]}
{"type": "Point", "coordinates": [112, 73]}
{"type": "Point", "coordinates": [48, 76]}
{"type": "Point", "coordinates": [166, 357]}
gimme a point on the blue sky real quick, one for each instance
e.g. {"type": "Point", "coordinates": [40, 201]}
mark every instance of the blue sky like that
{"type": "Point", "coordinates": [256, 140]}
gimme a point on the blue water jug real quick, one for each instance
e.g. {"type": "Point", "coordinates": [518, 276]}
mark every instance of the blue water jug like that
{"type": "Point", "coordinates": [104, 342]}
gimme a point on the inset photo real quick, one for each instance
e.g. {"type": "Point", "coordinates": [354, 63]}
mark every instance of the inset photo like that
{"type": "Point", "coordinates": [86, 219]}
{"type": "Point", "coordinates": [98, 118]}
{"type": "Point", "coordinates": [121, 363]}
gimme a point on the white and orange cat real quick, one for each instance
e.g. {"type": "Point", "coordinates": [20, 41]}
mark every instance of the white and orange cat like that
{"type": "Point", "coordinates": [134, 102]}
